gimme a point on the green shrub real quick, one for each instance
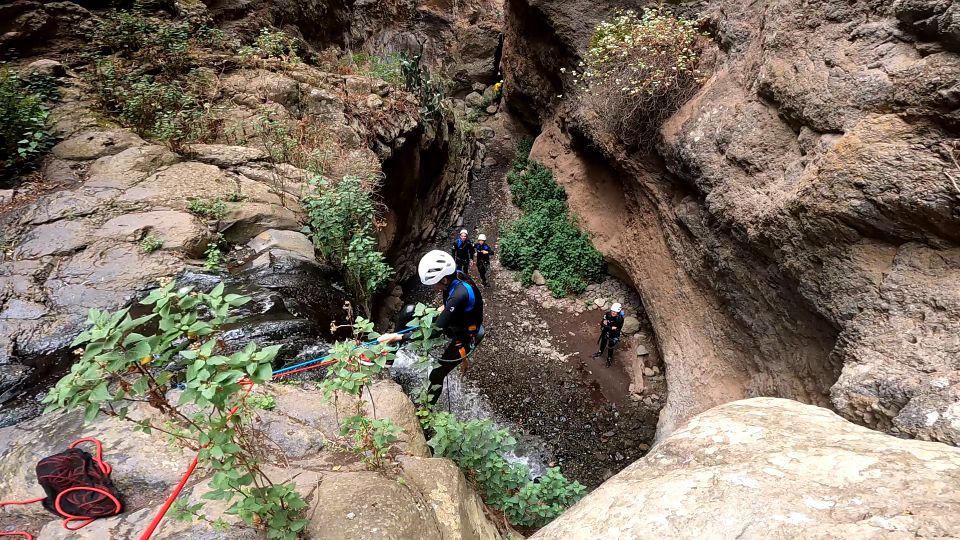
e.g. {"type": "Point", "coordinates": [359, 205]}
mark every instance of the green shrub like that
{"type": "Point", "coordinates": [151, 243]}
{"type": "Point", "coordinates": [546, 237]}
{"type": "Point", "coordinates": [341, 224]}
{"type": "Point", "coordinates": [372, 437]}
{"type": "Point", "coordinates": [533, 186]}
{"type": "Point", "coordinates": [23, 133]}
{"type": "Point", "coordinates": [427, 88]}
{"type": "Point", "coordinates": [478, 448]}
{"type": "Point", "coordinates": [272, 43]}
{"type": "Point", "coordinates": [125, 359]}
{"type": "Point", "coordinates": [154, 108]}
{"type": "Point", "coordinates": [638, 70]}
{"type": "Point", "coordinates": [205, 208]}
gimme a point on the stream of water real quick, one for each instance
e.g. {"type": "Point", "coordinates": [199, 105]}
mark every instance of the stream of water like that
{"type": "Point", "coordinates": [465, 401]}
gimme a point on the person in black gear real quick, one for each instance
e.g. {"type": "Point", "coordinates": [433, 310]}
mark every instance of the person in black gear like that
{"type": "Point", "coordinates": [460, 319]}
{"type": "Point", "coordinates": [463, 252]}
{"type": "Point", "coordinates": [610, 328]}
{"type": "Point", "coordinates": [484, 251]}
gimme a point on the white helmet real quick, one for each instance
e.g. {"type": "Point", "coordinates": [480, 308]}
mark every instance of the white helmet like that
{"type": "Point", "coordinates": [616, 307]}
{"type": "Point", "coordinates": [436, 265]}
{"type": "Point", "coordinates": [482, 238]}
{"type": "Point", "coordinates": [464, 231]}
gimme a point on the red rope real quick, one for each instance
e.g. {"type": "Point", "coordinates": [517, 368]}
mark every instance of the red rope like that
{"type": "Point", "coordinates": [86, 504]}
{"type": "Point", "coordinates": [186, 475]}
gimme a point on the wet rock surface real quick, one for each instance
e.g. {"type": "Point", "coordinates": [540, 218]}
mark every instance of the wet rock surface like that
{"type": "Point", "coordinates": [773, 468]}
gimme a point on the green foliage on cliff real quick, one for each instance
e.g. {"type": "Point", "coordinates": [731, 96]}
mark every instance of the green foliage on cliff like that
{"type": "Point", "coordinates": [478, 447]}
{"type": "Point", "coordinates": [341, 223]}
{"type": "Point", "coordinates": [638, 70]}
{"type": "Point", "coordinates": [23, 133]}
{"type": "Point", "coordinates": [546, 237]}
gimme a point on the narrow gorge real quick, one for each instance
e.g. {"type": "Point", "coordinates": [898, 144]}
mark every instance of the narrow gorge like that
{"type": "Point", "coordinates": [783, 232]}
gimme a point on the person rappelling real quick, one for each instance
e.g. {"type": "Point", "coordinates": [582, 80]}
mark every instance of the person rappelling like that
{"type": "Point", "coordinates": [460, 317]}
{"type": "Point", "coordinates": [610, 327]}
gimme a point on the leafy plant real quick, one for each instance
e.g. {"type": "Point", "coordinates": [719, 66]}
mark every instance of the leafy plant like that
{"type": "Point", "coordinates": [428, 89]}
{"type": "Point", "coordinates": [151, 243]}
{"type": "Point", "coordinates": [262, 401]}
{"type": "Point", "coordinates": [213, 258]}
{"type": "Point", "coordinates": [638, 70]}
{"type": "Point", "coordinates": [23, 133]}
{"type": "Point", "coordinates": [478, 447]}
{"type": "Point", "coordinates": [205, 208]}
{"type": "Point", "coordinates": [127, 359]}
{"type": "Point", "coordinates": [546, 237]}
{"type": "Point", "coordinates": [341, 224]}
{"type": "Point", "coordinates": [372, 438]}
{"type": "Point", "coordinates": [273, 44]}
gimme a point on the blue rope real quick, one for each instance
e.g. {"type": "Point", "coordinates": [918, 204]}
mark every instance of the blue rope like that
{"type": "Point", "coordinates": [322, 358]}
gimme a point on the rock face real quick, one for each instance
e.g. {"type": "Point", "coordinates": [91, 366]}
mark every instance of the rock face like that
{"type": "Point", "coordinates": [773, 468]}
{"type": "Point", "coordinates": [800, 208]}
{"type": "Point", "coordinates": [423, 498]}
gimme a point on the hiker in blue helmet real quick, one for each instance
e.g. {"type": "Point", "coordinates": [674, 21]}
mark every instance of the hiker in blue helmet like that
{"type": "Point", "coordinates": [460, 319]}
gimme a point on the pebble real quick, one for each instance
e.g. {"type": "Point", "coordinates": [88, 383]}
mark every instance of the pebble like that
{"type": "Point", "coordinates": [648, 372]}
{"type": "Point", "coordinates": [351, 515]}
{"type": "Point", "coordinates": [609, 434]}
{"type": "Point", "coordinates": [642, 351]}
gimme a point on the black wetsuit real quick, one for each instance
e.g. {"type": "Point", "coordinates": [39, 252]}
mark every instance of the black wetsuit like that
{"type": "Point", "coordinates": [610, 328]}
{"type": "Point", "coordinates": [461, 321]}
{"type": "Point", "coordinates": [483, 259]}
{"type": "Point", "coordinates": [463, 253]}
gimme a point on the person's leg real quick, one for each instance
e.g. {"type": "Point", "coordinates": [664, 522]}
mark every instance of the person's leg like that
{"type": "Point", "coordinates": [603, 344]}
{"type": "Point", "coordinates": [451, 358]}
{"type": "Point", "coordinates": [482, 269]}
{"type": "Point", "coordinates": [612, 346]}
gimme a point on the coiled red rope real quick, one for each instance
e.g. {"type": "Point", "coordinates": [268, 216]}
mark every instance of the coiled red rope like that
{"type": "Point", "coordinates": [89, 498]}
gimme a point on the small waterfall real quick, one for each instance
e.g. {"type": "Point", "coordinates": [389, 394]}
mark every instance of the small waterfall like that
{"type": "Point", "coordinates": [464, 400]}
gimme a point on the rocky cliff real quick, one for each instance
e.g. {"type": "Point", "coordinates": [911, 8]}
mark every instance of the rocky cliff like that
{"type": "Point", "coordinates": [794, 233]}
{"type": "Point", "coordinates": [773, 468]}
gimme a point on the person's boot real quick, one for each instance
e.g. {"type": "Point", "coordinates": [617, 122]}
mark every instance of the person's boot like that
{"type": "Point", "coordinates": [597, 354]}
{"type": "Point", "coordinates": [609, 361]}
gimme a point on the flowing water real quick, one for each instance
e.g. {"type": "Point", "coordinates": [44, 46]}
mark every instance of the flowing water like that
{"type": "Point", "coordinates": [465, 401]}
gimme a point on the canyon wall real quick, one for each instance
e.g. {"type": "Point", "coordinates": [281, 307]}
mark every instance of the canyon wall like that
{"type": "Point", "coordinates": [794, 233]}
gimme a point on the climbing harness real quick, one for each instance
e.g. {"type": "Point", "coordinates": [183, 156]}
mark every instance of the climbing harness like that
{"type": "Point", "coordinates": [77, 486]}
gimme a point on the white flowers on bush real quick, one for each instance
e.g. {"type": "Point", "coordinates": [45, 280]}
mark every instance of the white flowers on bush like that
{"type": "Point", "coordinates": [638, 69]}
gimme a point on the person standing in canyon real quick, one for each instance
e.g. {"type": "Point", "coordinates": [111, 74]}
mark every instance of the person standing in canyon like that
{"type": "Point", "coordinates": [484, 251]}
{"type": "Point", "coordinates": [610, 327]}
{"type": "Point", "coordinates": [463, 252]}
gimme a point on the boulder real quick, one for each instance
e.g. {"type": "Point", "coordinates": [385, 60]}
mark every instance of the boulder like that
{"type": "Point", "coordinates": [631, 325]}
{"type": "Point", "coordinates": [773, 468]}
{"type": "Point", "coordinates": [473, 100]}
{"type": "Point", "coordinates": [642, 350]}
{"type": "Point", "coordinates": [129, 167]}
{"type": "Point", "coordinates": [292, 241]}
{"type": "Point", "coordinates": [178, 230]}
{"type": "Point", "coordinates": [368, 505]}
{"type": "Point", "coordinates": [96, 143]}
{"type": "Point", "coordinates": [59, 237]}
{"type": "Point", "coordinates": [459, 511]}
{"type": "Point", "coordinates": [44, 67]}
{"type": "Point", "coordinates": [538, 278]}
{"type": "Point", "coordinates": [223, 155]}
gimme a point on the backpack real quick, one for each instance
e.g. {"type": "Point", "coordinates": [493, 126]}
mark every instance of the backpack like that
{"type": "Point", "coordinates": [78, 486]}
